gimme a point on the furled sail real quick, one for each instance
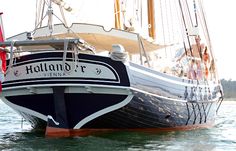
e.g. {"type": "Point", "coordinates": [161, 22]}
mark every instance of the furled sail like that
{"type": "Point", "coordinates": [121, 17]}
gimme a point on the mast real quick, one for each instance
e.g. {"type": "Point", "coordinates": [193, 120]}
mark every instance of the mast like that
{"type": "Point", "coordinates": [117, 14]}
{"type": "Point", "coordinates": [151, 19]}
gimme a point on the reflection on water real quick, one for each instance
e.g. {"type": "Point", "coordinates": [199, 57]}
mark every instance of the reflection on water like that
{"type": "Point", "coordinates": [220, 137]}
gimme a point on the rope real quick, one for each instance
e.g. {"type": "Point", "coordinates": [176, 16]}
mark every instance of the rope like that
{"type": "Point", "coordinates": [206, 33]}
{"type": "Point", "coordinates": [39, 24]}
{"type": "Point", "coordinates": [181, 8]}
{"type": "Point", "coordinates": [163, 26]}
{"type": "Point", "coordinates": [137, 5]}
{"type": "Point", "coordinates": [172, 20]}
{"type": "Point", "coordinates": [189, 14]}
{"type": "Point", "coordinates": [142, 49]}
{"type": "Point", "coordinates": [181, 29]}
{"type": "Point", "coordinates": [50, 17]}
{"type": "Point", "coordinates": [36, 13]}
{"type": "Point", "coordinates": [195, 12]}
{"type": "Point", "coordinates": [75, 58]}
{"type": "Point", "coordinates": [167, 25]}
{"type": "Point", "coordinates": [63, 16]}
{"type": "Point", "coordinates": [44, 3]}
{"type": "Point", "coordinates": [123, 10]}
{"type": "Point", "coordinates": [66, 42]}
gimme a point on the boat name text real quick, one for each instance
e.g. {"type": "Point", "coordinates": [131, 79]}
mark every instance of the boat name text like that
{"type": "Point", "coordinates": [44, 67]}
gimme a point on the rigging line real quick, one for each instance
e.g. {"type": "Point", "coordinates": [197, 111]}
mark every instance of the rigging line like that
{"type": "Point", "coordinates": [188, 10]}
{"type": "Point", "coordinates": [199, 113]}
{"type": "Point", "coordinates": [134, 8]}
{"type": "Point", "coordinates": [172, 20]}
{"type": "Point", "coordinates": [208, 37]}
{"type": "Point", "coordinates": [167, 21]}
{"type": "Point", "coordinates": [199, 48]}
{"type": "Point", "coordinates": [188, 114]}
{"type": "Point", "coordinates": [68, 28]}
{"type": "Point", "coordinates": [220, 100]}
{"type": "Point", "coordinates": [168, 18]}
{"type": "Point", "coordinates": [204, 111]}
{"type": "Point", "coordinates": [181, 9]}
{"type": "Point", "coordinates": [44, 4]}
{"type": "Point", "coordinates": [209, 109]}
{"type": "Point", "coordinates": [143, 50]}
{"type": "Point", "coordinates": [195, 12]}
{"type": "Point", "coordinates": [141, 12]}
{"type": "Point", "coordinates": [137, 4]}
{"type": "Point", "coordinates": [36, 13]}
{"type": "Point", "coordinates": [47, 2]}
{"type": "Point", "coordinates": [185, 48]}
{"type": "Point", "coordinates": [205, 26]}
{"type": "Point", "coordinates": [39, 13]}
{"type": "Point", "coordinates": [39, 24]}
{"type": "Point", "coordinates": [63, 17]}
{"type": "Point", "coordinates": [123, 10]}
{"type": "Point", "coordinates": [204, 31]}
{"type": "Point", "coordinates": [181, 29]}
{"type": "Point", "coordinates": [64, 59]}
{"type": "Point", "coordinates": [163, 27]}
{"type": "Point", "coordinates": [39, 6]}
{"type": "Point", "coordinates": [193, 111]}
{"type": "Point", "coordinates": [50, 17]}
{"type": "Point", "coordinates": [75, 49]}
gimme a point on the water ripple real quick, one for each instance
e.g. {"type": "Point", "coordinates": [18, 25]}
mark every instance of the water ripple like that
{"type": "Point", "coordinates": [219, 138]}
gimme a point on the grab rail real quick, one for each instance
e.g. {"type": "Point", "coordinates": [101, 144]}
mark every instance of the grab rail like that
{"type": "Point", "coordinates": [55, 43]}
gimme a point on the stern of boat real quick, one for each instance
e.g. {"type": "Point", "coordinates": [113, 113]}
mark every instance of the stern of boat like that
{"type": "Point", "coordinates": [65, 96]}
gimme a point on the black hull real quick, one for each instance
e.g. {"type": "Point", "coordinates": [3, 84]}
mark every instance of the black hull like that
{"type": "Point", "coordinates": [78, 106]}
{"type": "Point", "coordinates": [142, 112]}
{"type": "Point", "coordinates": [155, 112]}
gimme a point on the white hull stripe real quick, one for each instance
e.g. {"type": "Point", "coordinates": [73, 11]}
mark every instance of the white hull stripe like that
{"type": "Point", "coordinates": [103, 111]}
{"type": "Point", "coordinates": [172, 99]}
{"type": "Point", "coordinates": [24, 110]}
{"type": "Point", "coordinates": [82, 122]}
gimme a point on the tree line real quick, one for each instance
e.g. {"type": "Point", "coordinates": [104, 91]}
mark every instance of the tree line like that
{"type": "Point", "coordinates": [229, 88]}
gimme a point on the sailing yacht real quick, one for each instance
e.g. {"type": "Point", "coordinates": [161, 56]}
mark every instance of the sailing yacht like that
{"type": "Point", "coordinates": [115, 65]}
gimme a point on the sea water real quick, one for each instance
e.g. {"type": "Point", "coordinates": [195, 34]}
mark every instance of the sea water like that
{"type": "Point", "coordinates": [16, 134]}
